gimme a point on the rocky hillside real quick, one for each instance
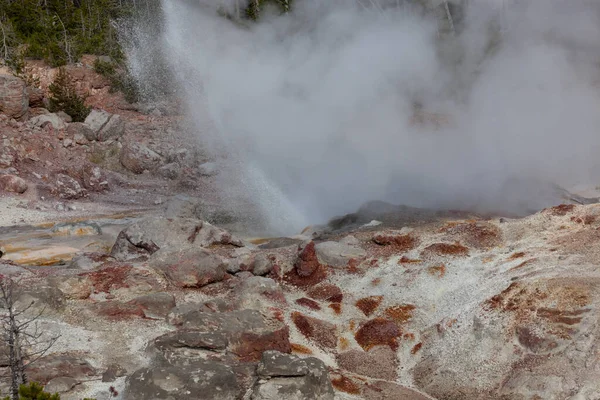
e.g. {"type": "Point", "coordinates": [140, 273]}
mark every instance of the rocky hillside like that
{"type": "Point", "coordinates": [115, 232]}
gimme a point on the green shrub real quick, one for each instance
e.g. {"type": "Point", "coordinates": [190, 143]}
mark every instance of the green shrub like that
{"type": "Point", "coordinates": [34, 391]}
{"type": "Point", "coordinates": [63, 97]}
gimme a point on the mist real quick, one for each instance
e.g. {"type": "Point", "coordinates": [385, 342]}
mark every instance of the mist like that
{"type": "Point", "coordinates": [340, 102]}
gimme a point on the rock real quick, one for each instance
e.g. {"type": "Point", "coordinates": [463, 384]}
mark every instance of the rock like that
{"type": "Point", "coordinates": [105, 125]}
{"type": "Point", "coordinates": [290, 377]}
{"type": "Point", "coordinates": [44, 299]}
{"type": "Point", "coordinates": [378, 331]}
{"type": "Point", "coordinates": [307, 262]}
{"type": "Point", "coordinates": [67, 143]}
{"type": "Point", "coordinates": [59, 365]}
{"type": "Point", "coordinates": [388, 390]}
{"type": "Point", "coordinates": [146, 237]}
{"type": "Point", "coordinates": [61, 384]}
{"type": "Point", "coordinates": [280, 242]}
{"type": "Point", "coordinates": [337, 254]}
{"type": "Point", "coordinates": [94, 179]}
{"type": "Point", "coordinates": [137, 158]}
{"type": "Point", "coordinates": [210, 380]}
{"type": "Point", "coordinates": [192, 339]}
{"type": "Point", "coordinates": [36, 97]}
{"type": "Point", "coordinates": [53, 120]}
{"type": "Point", "coordinates": [64, 116]}
{"type": "Point", "coordinates": [262, 264]}
{"type": "Point", "coordinates": [68, 188]}
{"type": "Point", "coordinates": [208, 169]}
{"type": "Point", "coordinates": [6, 159]}
{"type": "Point", "coordinates": [77, 229]}
{"type": "Point", "coordinates": [169, 171]}
{"type": "Point", "coordinates": [380, 362]}
{"type": "Point", "coordinates": [155, 305]}
{"type": "Point", "coordinates": [113, 372]}
{"type": "Point", "coordinates": [80, 139]}
{"type": "Point", "coordinates": [76, 129]}
{"type": "Point", "coordinates": [12, 183]}
{"type": "Point", "coordinates": [320, 332]}
{"type": "Point", "coordinates": [14, 99]}
{"type": "Point", "coordinates": [192, 269]}
{"type": "Point", "coordinates": [73, 287]}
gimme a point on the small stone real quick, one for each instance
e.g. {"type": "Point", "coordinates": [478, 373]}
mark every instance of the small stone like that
{"type": "Point", "coordinates": [67, 143]}
{"type": "Point", "coordinates": [12, 183]}
{"type": "Point", "coordinates": [61, 384]}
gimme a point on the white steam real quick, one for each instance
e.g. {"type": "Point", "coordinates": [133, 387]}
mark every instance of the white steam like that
{"type": "Point", "coordinates": [324, 103]}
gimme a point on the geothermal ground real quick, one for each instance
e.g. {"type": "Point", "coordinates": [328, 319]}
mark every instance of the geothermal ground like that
{"type": "Point", "coordinates": [116, 232]}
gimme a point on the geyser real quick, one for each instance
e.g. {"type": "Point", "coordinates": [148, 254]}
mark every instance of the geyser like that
{"type": "Point", "coordinates": [340, 102]}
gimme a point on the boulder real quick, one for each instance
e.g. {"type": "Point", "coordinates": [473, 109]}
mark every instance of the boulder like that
{"type": "Point", "coordinates": [148, 236]}
{"type": "Point", "coordinates": [155, 305]}
{"type": "Point", "coordinates": [12, 183]}
{"type": "Point", "coordinates": [59, 365]}
{"type": "Point", "coordinates": [64, 116]}
{"type": "Point", "coordinates": [53, 120]}
{"type": "Point", "coordinates": [14, 99]}
{"type": "Point", "coordinates": [321, 332]}
{"type": "Point", "coordinates": [79, 128]}
{"type": "Point", "coordinates": [285, 376]}
{"type": "Point", "coordinates": [138, 158]}
{"type": "Point", "coordinates": [192, 269]}
{"type": "Point", "coordinates": [68, 188]}
{"type": "Point", "coordinates": [61, 384]}
{"type": "Point", "coordinates": [169, 171]}
{"type": "Point", "coordinates": [379, 362]}
{"type": "Point", "coordinates": [36, 97]}
{"type": "Point", "coordinates": [337, 254]}
{"type": "Point", "coordinates": [105, 125]}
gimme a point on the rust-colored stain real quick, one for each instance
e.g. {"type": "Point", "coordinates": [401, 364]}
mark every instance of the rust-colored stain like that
{"type": "Point", "coordinates": [300, 349]}
{"type": "Point", "coordinates": [416, 348]}
{"type": "Point", "coordinates": [437, 270]}
{"type": "Point", "coordinates": [369, 304]}
{"type": "Point", "coordinates": [378, 331]}
{"type": "Point", "coordinates": [346, 385]}
{"type": "Point", "coordinates": [447, 249]}
{"type": "Point", "coordinates": [336, 307]}
{"type": "Point", "coordinates": [401, 313]}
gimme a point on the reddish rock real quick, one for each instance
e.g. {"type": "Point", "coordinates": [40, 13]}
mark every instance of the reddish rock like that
{"type": "Point", "coordinates": [194, 270]}
{"type": "Point", "coordinates": [107, 278]}
{"type": "Point", "coordinates": [307, 262]}
{"type": "Point", "coordinates": [56, 365]}
{"type": "Point", "coordinates": [321, 332]}
{"type": "Point", "coordinates": [446, 249]}
{"type": "Point", "coordinates": [308, 303]}
{"type": "Point", "coordinates": [119, 311]}
{"type": "Point", "coordinates": [369, 304]}
{"type": "Point", "coordinates": [380, 362]}
{"type": "Point", "coordinates": [479, 234]}
{"type": "Point", "coordinates": [155, 305]}
{"type": "Point", "coordinates": [12, 183]}
{"type": "Point", "coordinates": [14, 99]}
{"type": "Point", "coordinates": [561, 210]}
{"type": "Point", "coordinates": [336, 307]}
{"type": "Point", "coordinates": [300, 349]}
{"type": "Point", "coordinates": [400, 313]}
{"type": "Point", "coordinates": [251, 346]}
{"type": "Point", "coordinates": [400, 242]}
{"type": "Point", "coordinates": [326, 292]}
{"type": "Point", "coordinates": [344, 384]}
{"type": "Point", "coordinates": [378, 331]}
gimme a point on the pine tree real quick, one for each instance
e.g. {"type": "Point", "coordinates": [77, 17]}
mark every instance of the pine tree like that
{"type": "Point", "coordinates": [63, 97]}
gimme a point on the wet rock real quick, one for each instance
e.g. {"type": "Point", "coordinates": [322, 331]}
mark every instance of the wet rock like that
{"type": "Point", "coordinates": [59, 365]}
{"type": "Point", "coordinates": [380, 362]}
{"type": "Point", "coordinates": [54, 120]}
{"type": "Point", "coordinates": [68, 188]}
{"type": "Point", "coordinates": [77, 229]}
{"type": "Point", "coordinates": [337, 254]}
{"type": "Point", "coordinates": [12, 183]}
{"type": "Point", "coordinates": [14, 99]}
{"type": "Point", "coordinates": [105, 125]}
{"type": "Point", "coordinates": [290, 377]}
{"type": "Point", "coordinates": [61, 384]}
{"type": "Point", "coordinates": [80, 129]}
{"type": "Point", "coordinates": [138, 158]}
{"type": "Point", "coordinates": [320, 332]}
